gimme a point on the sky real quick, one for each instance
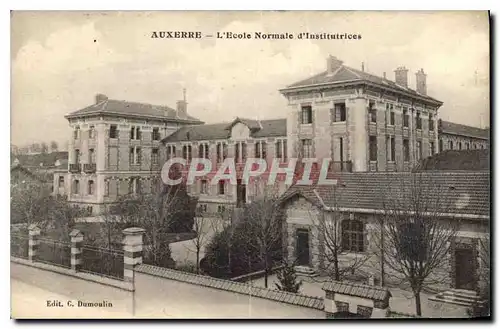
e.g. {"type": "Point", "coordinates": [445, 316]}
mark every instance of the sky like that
{"type": "Point", "coordinates": [61, 60]}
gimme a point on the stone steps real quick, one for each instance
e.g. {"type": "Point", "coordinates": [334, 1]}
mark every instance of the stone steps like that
{"type": "Point", "coordinates": [459, 297]}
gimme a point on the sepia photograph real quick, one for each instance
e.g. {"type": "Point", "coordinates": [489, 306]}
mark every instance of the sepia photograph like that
{"type": "Point", "coordinates": [250, 165]}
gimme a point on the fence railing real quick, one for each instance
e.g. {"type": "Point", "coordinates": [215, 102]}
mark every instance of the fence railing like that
{"type": "Point", "coordinates": [19, 245]}
{"type": "Point", "coordinates": [102, 261]}
{"type": "Point", "coordinates": [54, 252]}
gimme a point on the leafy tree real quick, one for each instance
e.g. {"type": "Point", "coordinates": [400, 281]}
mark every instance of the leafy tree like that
{"type": "Point", "coordinates": [54, 146]}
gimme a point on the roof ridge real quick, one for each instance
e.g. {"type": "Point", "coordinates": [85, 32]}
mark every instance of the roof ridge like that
{"type": "Point", "coordinates": [350, 69]}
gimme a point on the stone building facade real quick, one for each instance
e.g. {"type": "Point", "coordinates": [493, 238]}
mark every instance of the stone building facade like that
{"type": "Point", "coordinates": [240, 140]}
{"type": "Point", "coordinates": [367, 123]}
{"type": "Point", "coordinates": [114, 150]}
{"type": "Point", "coordinates": [354, 208]}
{"type": "Point", "coordinates": [453, 136]}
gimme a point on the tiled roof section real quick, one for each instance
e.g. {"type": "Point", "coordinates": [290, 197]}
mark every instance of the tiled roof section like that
{"type": "Point", "coordinates": [267, 128]}
{"type": "Point", "coordinates": [38, 177]}
{"type": "Point", "coordinates": [451, 128]}
{"type": "Point", "coordinates": [250, 123]}
{"type": "Point", "coordinates": [47, 159]}
{"type": "Point", "coordinates": [357, 290]}
{"type": "Point", "coordinates": [451, 160]}
{"type": "Point", "coordinates": [347, 74]}
{"type": "Point", "coordinates": [231, 286]}
{"type": "Point", "coordinates": [464, 193]}
{"type": "Point", "coordinates": [130, 108]}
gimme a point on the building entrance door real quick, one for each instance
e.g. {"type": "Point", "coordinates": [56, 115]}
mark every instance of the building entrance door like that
{"type": "Point", "coordinates": [302, 247]}
{"type": "Point", "coordinates": [465, 277]}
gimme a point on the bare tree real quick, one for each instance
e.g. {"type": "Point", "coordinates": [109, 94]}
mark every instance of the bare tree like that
{"type": "Point", "coordinates": [201, 229]}
{"type": "Point", "coordinates": [263, 219]}
{"type": "Point", "coordinates": [54, 146]}
{"type": "Point", "coordinates": [328, 228]}
{"type": "Point", "coordinates": [417, 231]}
{"type": "Point", "coordinates": [44, 148]}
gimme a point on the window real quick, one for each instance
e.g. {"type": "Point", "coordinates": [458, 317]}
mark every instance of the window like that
{"type": "Point", "coordinates": [391, 147]}
{"type": "Point", "coordinates": [61, 182]}
{"type": "Point", "coordinates": [134, 186]}
{"type": "Point", "coordinates": [306, 114]}
{"type": "Point", "coordinates": [281, 149]}
{"type": "Point", "coordinates": [260, 150]}
{"type": "Point", "coordinates": [432, 148]}
{"type": "Point", "coordinates": [307, 148]}
{"type": "Point", "coordinates": [203, 151]}
{"type": "Point", "coordinates": [419, 121]}
{"type": "Point", "coordinates": [135, 133]}
{"type": "Point", "coordinates": [202, 208]}
{"type": "Point", "coordinates": [154, 155]}
{"type": "Point", "coordinates": [91, 156]}
{"type": "Point", "coordinates": [222, 188]}
{"type": "Point", "coordinates": [76, 132]}
{"type": "Point", "coordinates": [419, 150]}
{"type": "Point", "coordinates": [406, 118]}
{"type": "Point", "coordinates": [460, 145]}
{"type": "Point", "coordinates": [135, 156]}
{"type": "Point", "coordinates": [467, 146]}
{"type": "Point", "coordinates": [113, 131]}
{"type": "Point", "coordinates": [186, 152]}
{"type": "Point", "coordinates": [431, 123]}
{"type": "Point", "coordinates": [406, 150]}
{"type": "Point", "coordinates": [76, 186]}
{"type": "Point", "coordinates": [91, 132]}
{"type": "Point", "coordinates": [204, 186]}
{"type": "Point", "coordinates": [170, 151]}
{"type": "Point", "coordinates": [353, 237]}
{"type": "Point", "coordinates": [392, 118]}
{"type": "Point", "coordinates": [106, 188]}
{"type": "Point", "coordinates": [77, 156]}
{"type": "Point", "coordinates": [240, 152]}
{"type": "Point", "coordinates": [221, 209]}
{"type": "Point", "coordinates": [440, 145]}
{"type": "Point", "coordinates": [339, 112]}
{"type": "Point", "coordinates": [90, 187]}
{"type": "Point", "coordinates": [156, 134]}
{"type": "Point", "coordinates": [372, 111]}
{"type": "Point", "coordinates": [221, 152]}
{"type": "Point", "coordinates": [450, 145]}
{"type": "Point", "coordinates": [373, 148]}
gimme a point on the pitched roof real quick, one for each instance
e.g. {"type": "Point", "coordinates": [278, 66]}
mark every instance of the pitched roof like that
{"type": "Point", "coordinates": [450, 160]}
{"type": "Point", "coordinates": [453, 192]}
{"type": "Point", "coordinates": [357, 290]}
{"type": "Point", "coordinates": [259, 129]}
{"type": "Point", "coordinates": [348, 74]}
{"type": "Point", "coordinates": [451, 128]}
{"type": "Point", "coordinates": [46, 159]}
{"type": "Point", "coordinates": [111, 106]}
{"type": "Point", "coordinates": [29, 173]}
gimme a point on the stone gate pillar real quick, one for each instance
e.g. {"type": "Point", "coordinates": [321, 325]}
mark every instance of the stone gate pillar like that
{"type": "Point", "coordinates": [76, 249]}
{"type": "Point", "coordinates": [132, 251]}
{"type": "Point", "coordinates": [34, 234]}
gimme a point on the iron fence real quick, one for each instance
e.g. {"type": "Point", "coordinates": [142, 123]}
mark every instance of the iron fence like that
{"type": "Point", "coordinates": [54, 252]}
{"type": "Point", "coordinates": [19, 245]}
{"type": "Point", "coordinates": [102, 261]}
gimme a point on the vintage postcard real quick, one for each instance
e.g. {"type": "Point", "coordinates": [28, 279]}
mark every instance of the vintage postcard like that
{"type": "Point", "coordinates": [249, 165]}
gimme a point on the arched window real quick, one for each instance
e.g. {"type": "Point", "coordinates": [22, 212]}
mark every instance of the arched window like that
{"type": "Point", "coordinates": [353, 237]}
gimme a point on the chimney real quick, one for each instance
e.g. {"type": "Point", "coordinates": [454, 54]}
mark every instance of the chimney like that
{"type": "Point", "coordinates": [100, 98]}
{"type": "Point", "coordinates": [421, 79]}
{"type": "Point", "coordinates": [401, 76]}
{"type": "Point", "coordinates": [332, 64]}
{"type": "Point", "coordinates": [182, 106]}
{"type": "Point", "coordinates": [362, 66]}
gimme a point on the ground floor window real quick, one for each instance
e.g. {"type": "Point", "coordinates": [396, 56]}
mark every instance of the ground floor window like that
{"type": "Point", "coordinates": [353, 236]}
